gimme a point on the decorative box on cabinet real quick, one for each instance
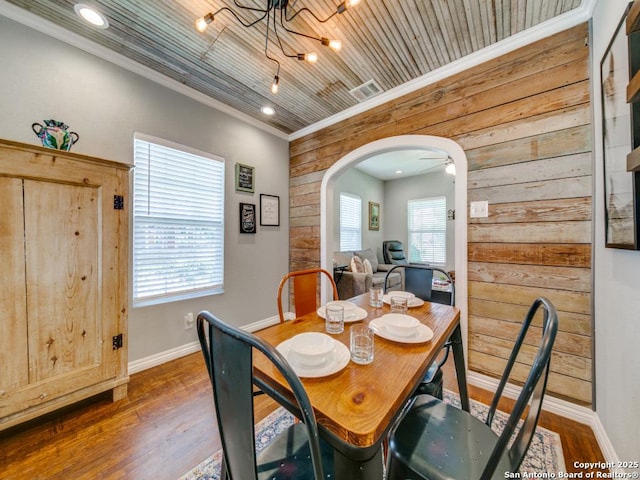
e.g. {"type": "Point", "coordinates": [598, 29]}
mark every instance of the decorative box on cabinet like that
{"type": "Point", "coordinates": [63, 288]}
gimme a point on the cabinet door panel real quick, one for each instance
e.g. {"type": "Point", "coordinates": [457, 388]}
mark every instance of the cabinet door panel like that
{"type": "Point", "coordinates": [62, 231]}
{"type": "Point", "coordinates": [14, 370]}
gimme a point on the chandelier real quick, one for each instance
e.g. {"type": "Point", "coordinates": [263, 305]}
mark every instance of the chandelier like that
{"type": "Point", "coordinates": [270, 14]}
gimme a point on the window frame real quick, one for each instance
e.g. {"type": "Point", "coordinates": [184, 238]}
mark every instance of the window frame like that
{"type": "Point", "coordinates": [214, 222]}
{"type": "Point", "coordinates": [357, 198]}
{"type": "Point", "coordinates": [439, 229]}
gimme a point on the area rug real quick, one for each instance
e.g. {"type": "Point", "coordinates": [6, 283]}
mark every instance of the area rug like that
{"type": "Point", "coordinates": [544, 455]}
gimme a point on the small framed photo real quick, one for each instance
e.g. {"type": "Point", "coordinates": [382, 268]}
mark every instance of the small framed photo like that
{"type": "Point", "coordinates": [247, 218]}
{"type": "Point", "coordinates": [374, 216]}
{"type": "Point", "coordinates": [269, 210]}
{"type": "Point", "coordinates": [245, 178]}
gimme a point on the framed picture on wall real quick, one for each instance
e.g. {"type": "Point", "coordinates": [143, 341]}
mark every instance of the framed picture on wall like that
{"type": "Point", "coordinates": [374, 216]}
{"type": "Point", "coordinates": [620, 186]}
{"type": "Point", "coordinates": [269, 210]}
{"type": "Point", "coordinates": [245, 178]}
{"type": "Point", "coordinates": [247, 218]}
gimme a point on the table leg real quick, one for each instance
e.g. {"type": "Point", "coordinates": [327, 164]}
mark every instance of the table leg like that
{"type": "Point", "coordinates": [458, 358]}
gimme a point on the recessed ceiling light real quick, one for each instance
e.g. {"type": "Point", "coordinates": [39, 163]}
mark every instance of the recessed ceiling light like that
{"type": "Point", "coordinates": [268, 110]}
{"type": "Point", "coordinates": [91, 15]}
{"type": "Point", "coordinates": [398, 172]}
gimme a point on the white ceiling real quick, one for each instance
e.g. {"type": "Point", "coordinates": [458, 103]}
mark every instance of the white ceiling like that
{"type": "Point", "coordinates": [403, 163]}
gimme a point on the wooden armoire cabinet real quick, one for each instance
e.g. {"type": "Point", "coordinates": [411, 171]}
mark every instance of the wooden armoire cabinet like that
{"type": "Point", "coordinates": [63, 286]}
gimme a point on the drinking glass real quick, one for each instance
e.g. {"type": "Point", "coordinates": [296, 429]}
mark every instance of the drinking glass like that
{"type": "Point", "coordinates": [334, 318]}
{"type": "Point", "coordinates": [375, 297]}
{"type": "Point", "coordinates": [361, 346]}
{"type": "Point", "coordinates": [398, 304]}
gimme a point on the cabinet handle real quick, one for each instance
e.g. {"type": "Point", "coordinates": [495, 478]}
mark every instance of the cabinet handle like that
{"type": "Point", "coordinates": [42, 396]}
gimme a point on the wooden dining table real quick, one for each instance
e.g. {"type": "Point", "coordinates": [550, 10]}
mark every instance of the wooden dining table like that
{"type": "Point", "coordinates": [356, 407]}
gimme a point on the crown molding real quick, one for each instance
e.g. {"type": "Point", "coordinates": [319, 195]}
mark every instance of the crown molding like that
{"type": "Point", "coordinates": [46, 27]}
{"type": "Point", "coordinates": [557, 24]}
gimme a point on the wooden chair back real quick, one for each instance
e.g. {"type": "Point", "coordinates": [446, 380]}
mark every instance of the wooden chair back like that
{"type": "Point", "coordinates": [305, 290]}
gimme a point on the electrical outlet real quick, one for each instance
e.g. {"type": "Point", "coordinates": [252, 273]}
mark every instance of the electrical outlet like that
{"type": "Point", "coordinates": [188, 321]}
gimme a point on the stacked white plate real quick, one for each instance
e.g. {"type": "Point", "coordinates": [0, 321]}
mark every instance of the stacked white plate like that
{"type": "Point", "coordinates": [314, 354]}
{"type": "Point", "coordinates": [352, 312]}
{"type": "Point", "coordinates": [402, 328]}
{"type": "Point", "coordinates": [412, 300]}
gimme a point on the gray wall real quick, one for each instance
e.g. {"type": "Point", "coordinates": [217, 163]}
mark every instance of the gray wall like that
{"type": "Point", "coordinates": [369, 189]}
{"type": "Point", "coordinates": [43, 78]}
{"type": "Point", "coordinates": [616, 291]}
{"type": "Point", "coordinates": [398, 192]}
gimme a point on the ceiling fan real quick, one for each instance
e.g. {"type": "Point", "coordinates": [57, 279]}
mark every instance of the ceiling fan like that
{"type": "Point", "coordinates": [450, 166]}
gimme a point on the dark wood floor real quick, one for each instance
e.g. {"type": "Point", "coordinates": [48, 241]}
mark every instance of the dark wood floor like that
{"type": "Point", "coordinates": [164, 428]}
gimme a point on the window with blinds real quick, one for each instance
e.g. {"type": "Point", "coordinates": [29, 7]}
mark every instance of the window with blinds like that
{"type": "Point", "coordinates": [178, 222]}
{"type": "Point", "coordinates": [350, 222]}
{"type": "Point", "coordinates": [427, 220]}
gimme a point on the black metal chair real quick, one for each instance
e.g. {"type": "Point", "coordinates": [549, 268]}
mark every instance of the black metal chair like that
{"type": "Point", "coordinates": [418, 279]}
{"type": "Point", "coordinates": [437, 441]}
{"type": "Point", "coordinates": [297, 453]}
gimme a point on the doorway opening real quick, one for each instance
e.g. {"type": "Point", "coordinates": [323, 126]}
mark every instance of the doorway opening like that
{"type": "Point", "coordinates": [402, 142]}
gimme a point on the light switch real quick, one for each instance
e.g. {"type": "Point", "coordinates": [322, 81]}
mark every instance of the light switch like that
{"type": "Point", "coordinates": [479, 209]}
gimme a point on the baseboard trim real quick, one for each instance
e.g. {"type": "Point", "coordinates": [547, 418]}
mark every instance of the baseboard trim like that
{"type": "Point", "coordinates": [565, 409]}
{"type": "Point", "coordinates": [605, 444]}
{"type": "Point", "coordinates": [163, 357]}
{"type": "Point", "coordinates": [189, 348]}
{"type": "Point", "coordinates": [551, 404]}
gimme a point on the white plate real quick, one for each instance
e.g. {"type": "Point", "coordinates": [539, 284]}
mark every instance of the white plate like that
{"type": "Point", "coordinates": [423, 333]}
{"type": "Point", "coordinates": [339, 359]}
{"type": "Point", "coordinates": [347, 305]}
{"type": "Point", "coordinates": [400, 293]}
{"type": "Point", "coordinates": [411, 302]}
{"type": "Point", "coordinates": [351, 315]}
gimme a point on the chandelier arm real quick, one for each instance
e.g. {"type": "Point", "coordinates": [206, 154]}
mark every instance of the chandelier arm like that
{"type": "Point", "coordinates": [305, 9]}
{"type": "Point", "coordinates": [253, 9]}
{"type": "Point", "coordinates": [239, 19]}
{"type": "Point", "coordinates": [275, 29]}
{"type": "Point", "coordinates": [283, 17]}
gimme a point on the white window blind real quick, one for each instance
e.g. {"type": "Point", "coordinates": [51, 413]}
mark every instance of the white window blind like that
{"type": "Point", "coordinates": [428, 230]}
{"type": "Point", "coordinates": [350, 222]}
{"type": "Point", "coordinates": [178, 222]}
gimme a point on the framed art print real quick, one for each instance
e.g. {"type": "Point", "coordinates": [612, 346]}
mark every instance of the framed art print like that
{"type": "Point", "coordinates": [269, 210]}
{"type": "Point", "coordinates": [247, 218]}
{"type": "Point", "coordinates": [620, 190]}
{"type": "Point", "coordinates": [245, 178]}
{"type": "Point", "coordinates": [374, 216]}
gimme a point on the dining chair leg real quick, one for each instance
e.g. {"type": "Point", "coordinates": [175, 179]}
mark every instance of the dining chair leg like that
{"type": "Point", "coordinates": [223, 470]}
{"type": "Point", "coordinates": [461, 374]}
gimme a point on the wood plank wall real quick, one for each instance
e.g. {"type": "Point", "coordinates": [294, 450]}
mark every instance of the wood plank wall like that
{"type": "Point", "coordinates": [524, 122]}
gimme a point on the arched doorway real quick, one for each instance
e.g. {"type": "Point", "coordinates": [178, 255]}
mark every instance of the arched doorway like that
{"type": "Point", "coordinates": [398, 143]}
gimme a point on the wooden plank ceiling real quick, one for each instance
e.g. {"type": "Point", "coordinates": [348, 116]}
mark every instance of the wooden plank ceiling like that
{"type": "Point", "coordinates": [388, 41]}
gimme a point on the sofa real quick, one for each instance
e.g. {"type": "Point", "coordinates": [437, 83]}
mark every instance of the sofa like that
{"type": "Point", "coordinates": [351, 283]}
